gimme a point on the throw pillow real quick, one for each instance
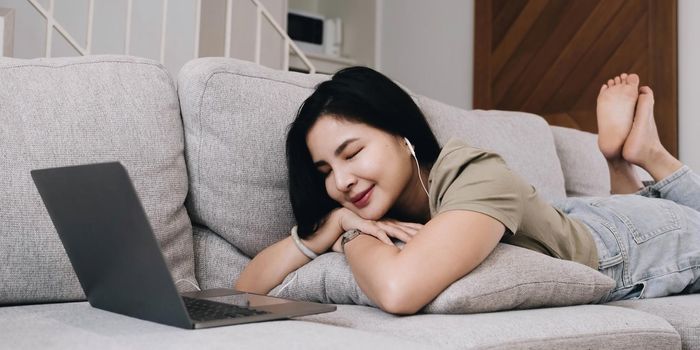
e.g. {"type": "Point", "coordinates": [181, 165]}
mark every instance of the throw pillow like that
{"type": "Point", "coordinates": [509, 278]}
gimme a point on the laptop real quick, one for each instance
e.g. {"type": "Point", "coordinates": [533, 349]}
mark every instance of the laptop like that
{"type": "Point", "coordinates": [110, 243]}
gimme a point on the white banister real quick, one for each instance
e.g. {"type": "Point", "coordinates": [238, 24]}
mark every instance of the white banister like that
{"type": "Point", "coordinates": [163, 28]}
{"type": "Point", "coordinates": [258, 33]}
{"type": "Point", "coordinates": [51, 24]}
{"type": "Point", "coordinates": [91, 15]}
{"type": "Point", "coordinates": [197, 26]}
{"type": "Point", "coordinates": [227, 40]}
{"type": "Point", "coordinates": [260, 13]}
{"type": "Point", "coordinates": [49, 28]}
{"type": "Point", "coordinates": [127, 36]}
{"type": "Point", "coordinates": [286, 37]}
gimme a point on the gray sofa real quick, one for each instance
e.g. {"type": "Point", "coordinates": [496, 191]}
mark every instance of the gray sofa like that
{"type": "Point", "coordinates": [206, 154]}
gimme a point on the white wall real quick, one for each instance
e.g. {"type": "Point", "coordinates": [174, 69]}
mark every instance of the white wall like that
{"type": "Point", "coordinates": [428, 47]}
{"type": "Point", "coordinates": [688, 78]}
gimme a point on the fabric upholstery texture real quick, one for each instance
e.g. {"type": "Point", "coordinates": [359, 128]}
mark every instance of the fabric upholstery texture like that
{"type": "Point", "coordinates": [69, 111]}
{"type": "Point", "coordinates": [235, 116]}
{"type": "Point", "coordinates": [217, 263]}
{"type": "Point", "coordinates": [584, 167]}
{"type": "Point", "coordinates": [79, 326]}
{"type": "Point", "coordinates": [681, 311]}
{"type": "Point", "coordinates": [572, 327]}
{"type": "Point", "coordinates": [509, 278]}
{"type": "Point", "coordinates": [524, 141]}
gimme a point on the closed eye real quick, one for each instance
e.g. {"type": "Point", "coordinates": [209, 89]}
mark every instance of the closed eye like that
{"type": "Point", "coordinates": [354, 154]}
{"type": "Point", "coordinates": [326, 173]}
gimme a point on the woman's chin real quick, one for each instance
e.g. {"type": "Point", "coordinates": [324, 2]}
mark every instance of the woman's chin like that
{"type": "Point", "coordinates": [369, 213]}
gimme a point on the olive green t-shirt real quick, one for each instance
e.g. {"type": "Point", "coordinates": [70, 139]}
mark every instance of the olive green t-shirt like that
{"type": "Point", "coordinates": [468, 178]}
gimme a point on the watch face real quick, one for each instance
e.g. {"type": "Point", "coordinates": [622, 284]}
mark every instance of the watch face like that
{"type": "Point", "coordinates": [351, 233]}
{"type": "Point", "coordinates": [348, 235]}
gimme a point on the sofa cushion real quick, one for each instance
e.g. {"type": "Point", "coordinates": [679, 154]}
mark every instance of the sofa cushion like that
{"type": "Point", "coordinates": [236, 116]}
{"type": "Point", "coordinates": [217, 263]}
{"type": "Point", "coordinates": [509, 278]}
{"type": "Point", "coordinates": [68, 111]}
{"type": "Point", "coordinates": [79, 326]}
{"type": "Point", "coordinates": [681, 311]}
{"type": "Point", "coordinates": [524, 141]}
{"type": "Point", "coordinates": [572, 327]}
{"type": "Point", "coordinates": [583, 165]}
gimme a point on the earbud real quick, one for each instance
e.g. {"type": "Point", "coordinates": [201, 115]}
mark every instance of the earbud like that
{"type": "Point", "coordinates": [410, 146]}
{"type": "Point", "coordinates": [413, 153]}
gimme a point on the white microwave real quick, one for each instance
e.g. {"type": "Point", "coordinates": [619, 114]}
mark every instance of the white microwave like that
{"type": "Point", "coordinates": [314, 33]}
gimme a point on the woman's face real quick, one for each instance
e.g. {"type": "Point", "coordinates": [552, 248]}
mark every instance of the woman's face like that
{"type": "Point", "coordinates": [366, 169]}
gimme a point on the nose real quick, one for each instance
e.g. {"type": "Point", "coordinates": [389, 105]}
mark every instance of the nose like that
{"type": "Point", "coordinates": [344, 180]}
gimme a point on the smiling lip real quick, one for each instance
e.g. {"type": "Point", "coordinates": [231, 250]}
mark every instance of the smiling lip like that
{"type": "Point", "coordinates": [362, 199]}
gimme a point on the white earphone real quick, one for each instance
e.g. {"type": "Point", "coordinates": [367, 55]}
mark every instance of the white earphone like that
{"type": "Point", "coordinates": [413, 153]}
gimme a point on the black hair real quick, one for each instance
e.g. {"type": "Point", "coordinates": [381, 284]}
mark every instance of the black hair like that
{"type": "Point", "coordinates": [358, 94]}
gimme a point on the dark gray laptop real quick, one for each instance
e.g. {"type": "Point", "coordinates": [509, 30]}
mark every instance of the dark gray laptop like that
{"type": "Point", "coordinates": [116, 257]}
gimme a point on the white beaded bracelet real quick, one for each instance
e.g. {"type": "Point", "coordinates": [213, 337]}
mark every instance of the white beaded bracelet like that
{"type": "Point", "coordinates": [304, 249]}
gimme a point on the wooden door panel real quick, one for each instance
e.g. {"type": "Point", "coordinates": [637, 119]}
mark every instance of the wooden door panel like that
{"type": "Point", "coordinates": [550, 57]}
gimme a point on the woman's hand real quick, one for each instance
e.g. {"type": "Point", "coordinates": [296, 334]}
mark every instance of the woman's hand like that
{"type": "Point", "coordinates": [381, 229]}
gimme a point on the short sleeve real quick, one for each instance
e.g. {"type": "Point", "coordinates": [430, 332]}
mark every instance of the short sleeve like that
{"type": "Point", "coordinates": [477, 180]}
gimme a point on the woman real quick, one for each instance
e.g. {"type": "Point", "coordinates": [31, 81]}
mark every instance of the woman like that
{"type": "Point", "coordinates": [353, 166]}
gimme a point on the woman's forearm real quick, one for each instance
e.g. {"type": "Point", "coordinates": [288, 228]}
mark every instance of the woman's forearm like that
{"type": "Point", "coordinates": [269, 268]}
{"type": "Point", "coordinates": [372, 264]}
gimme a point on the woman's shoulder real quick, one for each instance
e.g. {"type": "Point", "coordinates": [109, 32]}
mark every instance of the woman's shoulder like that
{"type": "Point", "coordinates": [457, 152]}
{"type": "Point", "coordinates": [460, 162]}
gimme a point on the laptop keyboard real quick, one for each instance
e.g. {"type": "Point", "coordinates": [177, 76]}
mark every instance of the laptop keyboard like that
{"type": "Point", "coordinates": [207, 310]}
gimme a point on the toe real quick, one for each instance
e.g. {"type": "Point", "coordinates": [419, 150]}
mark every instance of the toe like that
{"type": "Point", "coordinates": [633, 79]}
{"type": "Point", "coordinates": [623, 77]}
{"type": "Point", "coordinates": [646, 91]}
{"type": "Point", "coordinates": [617, 80]}
{"type": "Point", "coordinates": [611, 82]}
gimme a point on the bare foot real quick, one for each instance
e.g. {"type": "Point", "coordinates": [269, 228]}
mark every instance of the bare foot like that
{"type": "Point", "coordinates": [615, 112]}
{"type": "Point", "coordinates": [643, 146]}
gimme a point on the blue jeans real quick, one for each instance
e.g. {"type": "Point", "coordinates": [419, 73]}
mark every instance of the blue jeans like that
{"type": "Point", "coordinates": [648, 242]}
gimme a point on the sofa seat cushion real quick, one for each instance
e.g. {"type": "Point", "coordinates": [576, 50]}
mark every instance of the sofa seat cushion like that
{"type": "Point", "coordinates": [572, 327]}
{"type": "Point", "coordinates": [75, 110]}
{"type": "Point", "coordinates": [79, 326]}
{"type": "Point", "coordinates": [681, 311]}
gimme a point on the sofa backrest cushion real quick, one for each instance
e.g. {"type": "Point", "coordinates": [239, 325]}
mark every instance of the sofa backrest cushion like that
{"type": "Point", "coordinates": [524, 141]}
{"type": "Point", "coordinates": [69, 111]}
{"type": "Point", "coordinates": [584, 167]}
{"type": "Point", "coordinates": [236, 116]}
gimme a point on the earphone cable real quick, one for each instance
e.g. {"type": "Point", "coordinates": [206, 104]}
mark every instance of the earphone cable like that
{"type": "Point", "coordinates": [419, 177]}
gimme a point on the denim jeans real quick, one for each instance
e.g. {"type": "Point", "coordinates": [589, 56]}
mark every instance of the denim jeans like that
{"type": "Point", "coordinates": [648, 242]}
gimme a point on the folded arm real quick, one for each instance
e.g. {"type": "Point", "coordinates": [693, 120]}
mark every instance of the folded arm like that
{"type": "Point", "coordinates": [446, 249]}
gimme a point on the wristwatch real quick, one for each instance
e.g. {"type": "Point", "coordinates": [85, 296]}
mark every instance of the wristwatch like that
{"type": "Point", "coordinates": [348, 236]}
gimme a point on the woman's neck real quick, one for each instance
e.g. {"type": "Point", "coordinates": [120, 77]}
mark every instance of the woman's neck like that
{"type": "Point", "coordinates": [413, 205]}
